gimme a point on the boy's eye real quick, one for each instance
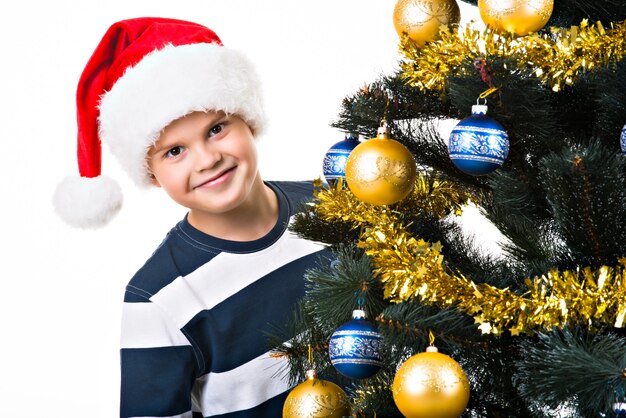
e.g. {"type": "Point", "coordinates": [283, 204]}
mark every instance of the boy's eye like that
{"type": "Point", "coordinates": [174, 152]}
{"type": "Point", "coordinates": [216, 129]}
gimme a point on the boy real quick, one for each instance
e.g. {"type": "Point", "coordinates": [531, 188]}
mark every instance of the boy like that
{"type": "Point", "coordinates": [180, 111]}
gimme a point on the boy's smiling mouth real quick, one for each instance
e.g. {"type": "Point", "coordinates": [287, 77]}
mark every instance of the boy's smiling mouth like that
{"type": "Point", "coordinates": [220, 178]}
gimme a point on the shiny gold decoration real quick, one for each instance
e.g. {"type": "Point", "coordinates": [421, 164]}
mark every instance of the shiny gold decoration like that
{"type": "Point", "coordinates": [410, 267]}
{"type": "Point", "coordinates": [430, 193]}
{"type": "Point", "coordinates": [421, 19]}
{"type": "Point", "coordinates": [316, 398]}
{"type": "Point", "coordinates": [430, 385]}
{"type": "Point", "coordinates": [380, 171]}
{"type": "Point", "coordinates": [437, 196]}
{"type": "Point", "coordinates": [556, 59]}
{"type": "Point", "coordinates": [520, 17]}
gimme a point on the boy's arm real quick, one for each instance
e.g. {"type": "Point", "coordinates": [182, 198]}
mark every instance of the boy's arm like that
{"type": "Point", "coordinates": [157, 363]}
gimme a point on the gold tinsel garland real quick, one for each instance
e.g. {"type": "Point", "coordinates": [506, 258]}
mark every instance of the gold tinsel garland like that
{"type": "Point", "coordinates": [410, 267]}
{"type": "Point", "coordinates": [556, 59]}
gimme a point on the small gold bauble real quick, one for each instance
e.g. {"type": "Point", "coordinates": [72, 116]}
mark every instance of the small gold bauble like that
{"type": "Point", "coordinates": [430, 385]}
{"type": "Point", "coordinates": [316, 398]}
{"type": "Point", "coordinates": [520, 17]}
{"type": "Point", "coordinates": [422, 19]}
{"type": "Point", "coordinates": [380, 171]}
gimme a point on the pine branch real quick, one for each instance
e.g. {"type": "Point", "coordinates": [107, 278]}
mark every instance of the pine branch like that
{"type": "Point", "coordinates": [572, 368]}
{"type": "Point", "coordinates": [335, 288]}
{"type": "Point", "coordinates": [463, 254]}
{"type": "Point", "coordinates": [586, 190]}
{"type": "Point", "coordinates": [408, 325]}
{"type": "Point", "coordinates": [611, 104]}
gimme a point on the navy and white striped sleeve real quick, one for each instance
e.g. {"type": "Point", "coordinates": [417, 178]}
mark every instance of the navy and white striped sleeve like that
{"type": "Point", "coordinates": [157, 361]}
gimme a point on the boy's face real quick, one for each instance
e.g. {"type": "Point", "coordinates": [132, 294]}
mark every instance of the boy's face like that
{"type": "Point", "coordinates": [205, 161]}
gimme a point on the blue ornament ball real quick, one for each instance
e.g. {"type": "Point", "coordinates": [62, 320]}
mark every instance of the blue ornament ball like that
{"type": "Point", "coordinates": [334, 165]}
{"type": "Point", "coordinates": [355, 348]}
{"type": "Point", "coordinates": [478, 144]}
{"type": "Point", "coordinates": [622, 140]}
{"type": "Point", "coordinates": [620, 409]}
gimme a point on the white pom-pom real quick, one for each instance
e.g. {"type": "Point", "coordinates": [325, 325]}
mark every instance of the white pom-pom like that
{"type": "Point", "coordinates": [87, 202]}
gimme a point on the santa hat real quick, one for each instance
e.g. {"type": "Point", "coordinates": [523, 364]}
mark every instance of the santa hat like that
{"type": "Point", "coordinates": [144, 74]}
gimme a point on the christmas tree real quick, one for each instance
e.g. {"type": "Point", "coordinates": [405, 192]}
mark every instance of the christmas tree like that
{"type": "Point", "coordinates": [538, 328]}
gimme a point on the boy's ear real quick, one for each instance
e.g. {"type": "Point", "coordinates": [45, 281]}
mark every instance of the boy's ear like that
{"type": "Point", "coordinates": [154, 181]}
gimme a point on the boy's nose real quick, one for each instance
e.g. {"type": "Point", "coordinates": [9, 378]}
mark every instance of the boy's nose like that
{"type": "Point", "coordinates": [206, 157]}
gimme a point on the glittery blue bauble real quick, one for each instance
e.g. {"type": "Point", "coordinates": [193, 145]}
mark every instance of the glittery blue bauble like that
{"type": "Point", "coordinates": [622, 140]}
{"type": "Point", "coordinates": [334, 165]}
{"type": "Point", "coordinates": [355, 348]}
{"type": "Point", "coordinates": [478, 144]}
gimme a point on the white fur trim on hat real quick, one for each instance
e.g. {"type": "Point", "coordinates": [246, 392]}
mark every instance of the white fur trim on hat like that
{"type": "Point", "coordinates": [170, 83]}
{"type": "Point", "coordinates": [86, 202]}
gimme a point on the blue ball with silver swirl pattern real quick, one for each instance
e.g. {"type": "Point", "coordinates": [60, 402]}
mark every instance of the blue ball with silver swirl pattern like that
{"type": "Point", "coordinates": [355, 347]}
{"type": "Point", "coordinates": [334, 164]}
{"type": "Point", "coordinates": [478, 144]}
{"type": "Point", "coordinates": [622, 140]}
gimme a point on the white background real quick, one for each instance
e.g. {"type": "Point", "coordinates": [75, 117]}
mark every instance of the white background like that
{"type": "Point", "coordinates": [62, 288]}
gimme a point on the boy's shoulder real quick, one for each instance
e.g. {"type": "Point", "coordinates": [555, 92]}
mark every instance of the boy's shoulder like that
{"type": "Point", "coordinates": [298, 192]}
{"type": "Point", "coordinates": [181, 251]}
{"type": "Point", "coordinates": [171, 259]}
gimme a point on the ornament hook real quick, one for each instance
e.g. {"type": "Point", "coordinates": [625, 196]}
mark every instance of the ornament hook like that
{"type": "Point", "coordinates": [488, 92]}
{"type": "Point", "coordinates": [383, 129]}
{"type": "Point", "coordinates": [431, 338]}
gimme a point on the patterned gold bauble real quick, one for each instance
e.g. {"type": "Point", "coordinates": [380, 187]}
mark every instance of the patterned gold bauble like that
{"type": "Point", "coordinates": [316, 398]}
{"type": "Point", "coordinates": [430, 385]}
{"type": "Point", "coordinates": [421, 19]}
{"type": "Point", "coordinates": [380, 171]}
{"type": "Point", "coordinates": [520, 17]}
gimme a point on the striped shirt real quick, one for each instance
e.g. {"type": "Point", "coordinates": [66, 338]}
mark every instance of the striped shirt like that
{"type": "Point", "coordinates": [195, 318]}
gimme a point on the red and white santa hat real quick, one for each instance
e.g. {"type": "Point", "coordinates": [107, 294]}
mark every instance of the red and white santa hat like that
{"type": "Point", "coordinates": [144, 74]}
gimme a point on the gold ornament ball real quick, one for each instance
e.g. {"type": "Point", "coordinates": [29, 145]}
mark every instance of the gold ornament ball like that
{"type": "Point", "coordinates": [422, 19]}
{"type": "Point", "coordinates": [316, 398]}
{"type": "Point", "coordinates": [520, 17]}
{"type": "Point", "coordinates": [430, 385]}
{"type": "Point", "coordinates": [380, 171]}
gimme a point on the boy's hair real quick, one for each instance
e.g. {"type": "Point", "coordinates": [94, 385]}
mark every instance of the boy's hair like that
{"type": "Point", "coordinates": [144, 74]}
